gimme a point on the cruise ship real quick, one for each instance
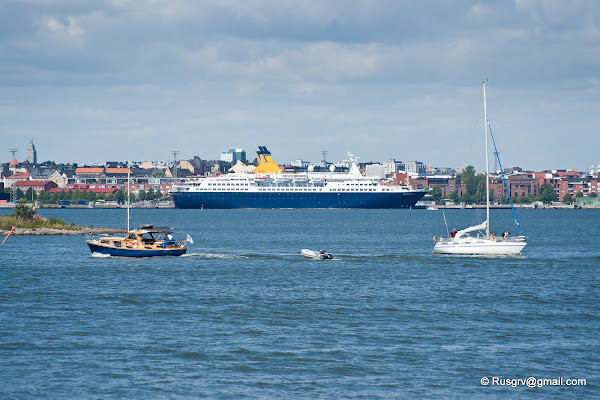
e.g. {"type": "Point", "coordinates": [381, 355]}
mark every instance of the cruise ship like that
{"type": "Point", "coordinates": [267, 187]}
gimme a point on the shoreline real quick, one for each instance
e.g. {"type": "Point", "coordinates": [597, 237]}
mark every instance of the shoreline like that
{"type": "Point", "coordinates": [517, 207]}
{"type": "Point", "coordinates": [83, 230]}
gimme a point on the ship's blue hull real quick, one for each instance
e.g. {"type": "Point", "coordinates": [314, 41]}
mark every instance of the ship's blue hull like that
{"type": "Point", "coordinates": [295, 200]}
{"type": "Point", "coordinates": [137, 253]}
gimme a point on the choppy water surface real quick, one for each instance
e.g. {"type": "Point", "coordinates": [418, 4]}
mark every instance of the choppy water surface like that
{"type": "Point", "coordinates": [244, 315]}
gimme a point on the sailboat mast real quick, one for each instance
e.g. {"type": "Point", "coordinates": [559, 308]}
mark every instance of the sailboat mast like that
{"type": "Point", "coordinates": [487, 172]}
{"type": "Point", "coordinates": [128, 192]}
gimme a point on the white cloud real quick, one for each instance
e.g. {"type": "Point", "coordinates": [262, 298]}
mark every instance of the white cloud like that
{"type": "Point", "coordinates": [479, 11]}
{"type": "Point", "coordinates": [68, 32]}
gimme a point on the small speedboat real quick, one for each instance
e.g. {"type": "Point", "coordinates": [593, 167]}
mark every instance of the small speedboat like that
{"type": "Point", "coordinates": [317, 255]}
{"type": "Point", "coordinates": [147, 241]}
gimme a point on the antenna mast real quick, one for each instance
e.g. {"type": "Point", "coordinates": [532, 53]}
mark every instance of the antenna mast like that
{"type": "Point", "coordinates": [13, 192]}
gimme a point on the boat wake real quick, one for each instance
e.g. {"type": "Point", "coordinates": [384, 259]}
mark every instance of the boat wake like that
{"type": "Point", "coordinates": [216, 255]}
{"type": "Point", "coordinates": [100, 255]}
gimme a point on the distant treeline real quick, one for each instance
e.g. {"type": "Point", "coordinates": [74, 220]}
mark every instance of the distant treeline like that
{"type": "Point", "coordinates": [73, 196]}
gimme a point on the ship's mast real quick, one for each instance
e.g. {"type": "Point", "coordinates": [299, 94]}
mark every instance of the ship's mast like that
{"type": "Point", "coordinates": [128, 193]}
{"type": "Point", "coordinates": [487, 172]}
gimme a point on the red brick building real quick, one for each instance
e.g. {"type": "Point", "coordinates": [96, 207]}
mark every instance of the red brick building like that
{"type": "Point", "coordinates": [447, 184]}
{"type": "Point", "coordinates": [519, 185]}
{"type": "Point", "coordinates": [38, 186]}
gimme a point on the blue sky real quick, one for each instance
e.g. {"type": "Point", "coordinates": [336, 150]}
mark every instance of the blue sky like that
{"type": "Point", "coordinates": [98, 80]}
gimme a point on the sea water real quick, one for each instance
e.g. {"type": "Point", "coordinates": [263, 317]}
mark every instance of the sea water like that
{"type": "Point", "coordinates": [243, 314]}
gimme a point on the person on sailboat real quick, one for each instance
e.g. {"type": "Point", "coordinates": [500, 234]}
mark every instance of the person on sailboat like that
{"type": "Point", "coordinates": [453, 233]}
{"type": "Point", "coordinates": [505, 235]}
{"type": "Point", "coordinates": [493, 236]}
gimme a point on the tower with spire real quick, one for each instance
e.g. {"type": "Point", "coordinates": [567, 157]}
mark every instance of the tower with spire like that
{"type": "Point", "coordinates": [31, 155]}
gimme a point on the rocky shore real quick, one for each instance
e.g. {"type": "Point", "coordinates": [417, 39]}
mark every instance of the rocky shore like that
{"type": "Point", "coordinates": [52, 231]}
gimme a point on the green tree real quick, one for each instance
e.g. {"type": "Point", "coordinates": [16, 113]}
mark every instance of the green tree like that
{"type": "Point", "coordinates": [19, 194]}
{"type": "Point", "coordinates": [567, 198]}
{"type": "Point", "coordinates": [579, 195]}
{"type": "Point", "coordinates": [90, 195]}
{"type": "Point", "coordinates": [119, 196]}
{"type": "Point", "coordinates": [436, 193]}
{"type": "Point", "coordinates": [43, 197]}
{"type": "Point", "coordinates": [158, 174]}
{"type": "Point", "coordinates": [467, 198]}
{"type": "Point", "coordinates": [453, 196]}
{"type": "Point", "coordinates": [479, 196]}
{"type": "Point", "coordinates": [467, 176]}
{"type": "Point", "coordinates": [527, 199]}
{"type": "Point", "coordinates": [30, 194]}
{"type": "Point", "coordinates": [142, 195]}
{"type": "Point", "coordinates": [76, 195]}
{"type": "Point", "coordinates": [150, 194]}
{"type": "Point", "coordinates": [24, 212]}
{"type": "Point", "coordinates": [475, 185]}
{"type": "Point", "coordinates": [547, 193]}
{"type": "Point", "coordinates": [593, 194]}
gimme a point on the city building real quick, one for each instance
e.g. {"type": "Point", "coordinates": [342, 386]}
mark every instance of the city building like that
{"type": "Point", "coordinates": [392, 166]}
{"type": "Point", "coordinates": [31, 153]}
{"type": "Point", "coordinates": [240, 167]}
{"type": "Point", "coordinates": [232, 156]}
{"type": "Point", "coordinates": [9, 181]}
{"type": "Point", "coordinates": [519, 185]}
{"type": "Point", "coordinates": [416, 167]}
{"type": "Point", "coordinates": [36, 185]}
{"type": "Point", "coordinates": [300, 164]}
{"type": "Point", "coordinates": [447, 183]}
{"type": "Point", "coordinates": [375, 171]}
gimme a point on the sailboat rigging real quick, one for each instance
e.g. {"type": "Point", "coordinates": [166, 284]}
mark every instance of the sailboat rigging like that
{"type": "Point", "coordinates": [462, 242]}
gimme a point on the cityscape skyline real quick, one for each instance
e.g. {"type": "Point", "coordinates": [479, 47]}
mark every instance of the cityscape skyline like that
{"type": "Point", "coordinates": [385, 79]}
{"type": "Point", "coordinates": [31, 153]}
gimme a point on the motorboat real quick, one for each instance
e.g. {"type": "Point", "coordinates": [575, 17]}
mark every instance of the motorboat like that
{"type": "Point", "coordinates": [147, 241]}
{"type": "Point", "coordinates": [317, 255]}
{"type": "Point", "coordinates": [484, 243]}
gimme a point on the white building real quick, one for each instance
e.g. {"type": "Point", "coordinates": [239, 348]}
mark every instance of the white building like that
{"type": "Point", "coordinates": [392, 166]}
{"type": "Point", "coordinates": [300, 163]}
{"type": "Point", "coordinates": [416, 167]}
{"type": "Point", "coordinates": [375, 171]}
{"type": "Point", "coordinates": [233, 155]}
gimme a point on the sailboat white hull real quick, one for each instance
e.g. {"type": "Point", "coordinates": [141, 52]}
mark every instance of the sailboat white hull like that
{"type": "Point", "coordinates": [482, 247]}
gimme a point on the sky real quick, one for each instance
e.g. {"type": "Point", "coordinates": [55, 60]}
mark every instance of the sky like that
{"type": "Point", "coordinates": [115, 80]}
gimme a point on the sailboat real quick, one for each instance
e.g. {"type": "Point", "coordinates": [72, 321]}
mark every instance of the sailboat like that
{"type": "Point", "coordinates": [483, 244]}
{"type": "Point", "coordinates": [146, 241]}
